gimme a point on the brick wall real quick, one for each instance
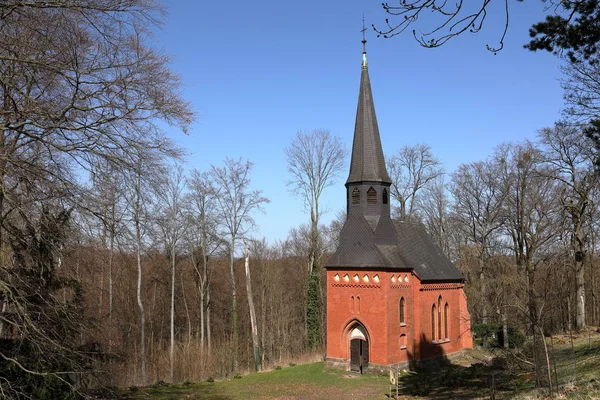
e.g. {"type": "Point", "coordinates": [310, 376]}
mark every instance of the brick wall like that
{"type": "Point", "coordinates": [372, 298]}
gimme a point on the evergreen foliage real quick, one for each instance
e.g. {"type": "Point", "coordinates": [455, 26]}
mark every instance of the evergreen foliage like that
{"type": "Point", "coordinates": [313, 317]}
{"type": "Point", "coordinates": [41, 353]}
{"type": "Point", "coordinates": [577, 33]}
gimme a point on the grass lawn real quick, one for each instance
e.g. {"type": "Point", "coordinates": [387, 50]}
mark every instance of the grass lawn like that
{"type": "Point", "coordinates": [308, 381]}
{"type": "Point", "coordinates": [469, 377]}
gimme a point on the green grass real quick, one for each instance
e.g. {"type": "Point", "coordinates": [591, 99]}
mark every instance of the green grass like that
{"type": "Point", "coordinates": [308, 381]}
{"type": "Point", "coordinates": [469, 377]}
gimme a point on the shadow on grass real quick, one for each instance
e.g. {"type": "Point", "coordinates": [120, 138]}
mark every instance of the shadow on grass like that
{"type": "Point", "coordinates": [438, 378]}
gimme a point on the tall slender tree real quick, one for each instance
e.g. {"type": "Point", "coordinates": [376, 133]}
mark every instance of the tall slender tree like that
{"type": "Point", "coordinates": [171, 226]}
{"type": "Point", "coordinates": [530, 220]}
{"type": "Point", "coordinates": [314, 159]}
{"type": "Point", "coordinates": [570, 160]}
{"type": "Point", "coordinates": [203, 242]}
{"type": "Point", "coordinates": [235, 202]}
{"type": "Point", "coordinates": [478, 203]}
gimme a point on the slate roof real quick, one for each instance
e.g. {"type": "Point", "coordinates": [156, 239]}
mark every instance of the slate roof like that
{"type": "Point", "coordinates": [368, 163]}
{"type": "Point", "coordinates": [412, 249]}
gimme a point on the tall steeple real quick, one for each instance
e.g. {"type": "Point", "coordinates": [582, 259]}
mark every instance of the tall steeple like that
{"type": "Point", "coordinates": [367, 163]}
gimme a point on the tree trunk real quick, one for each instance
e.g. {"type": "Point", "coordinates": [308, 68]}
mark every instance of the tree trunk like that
{"type": "Point", "coordinates": [172, 348]}
{"type": "Point", "coordinates": [234, 311]}
{"type": "Point", "coordinates": [481, 263]}
{"type": "Point", "coordinates": [110, 274]}
{"type": "Point", "coordinates": [202, 336]}
{"type": "Point", "coordinates": [533, 321]}
{"type": "Point", "coordinates": [140, 304]}
{"type": "Point", "coordinates": [208, 333]}
{"type": "Point", "coordinates": [255, 344]}
{"type": "Point", "coordinates": [187, 313]}
{"type": "Point", "coordinates": [504, 330]}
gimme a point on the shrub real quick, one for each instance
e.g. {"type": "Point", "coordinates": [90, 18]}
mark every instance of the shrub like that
{"type": "Point", "coordinates": [486, 334]}
{"type": "Point", "coordinates": [237, 376]}
{"type": "Point", "coordinates": [491, 335]}
{"type": "Point", "coordinates": [516, 339]}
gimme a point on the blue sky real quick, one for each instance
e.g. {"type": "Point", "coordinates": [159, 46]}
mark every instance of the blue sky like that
{"type": "Point", "coordinates": [256, 72]}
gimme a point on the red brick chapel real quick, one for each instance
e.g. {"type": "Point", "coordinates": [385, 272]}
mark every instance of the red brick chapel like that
{"type": "Point", "coordinates": [393, 297]}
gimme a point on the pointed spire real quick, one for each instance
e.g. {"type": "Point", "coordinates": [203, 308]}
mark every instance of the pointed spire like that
{"type": "Point", "coordinates": [367, 163]}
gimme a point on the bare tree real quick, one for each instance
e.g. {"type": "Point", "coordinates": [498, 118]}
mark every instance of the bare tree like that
{"type": "Point", "coordinates": [80, 86]}
{"type": "Point", "coordinates": [582, 90]}
{"type": "Point", "coordinates": [569, 157]}
{"type": "Point", "coordinates": [314, 160]}
{"type": "Point", "coordinates": [411, 169]}
{"type": "Point", "coordinates": [530, 220]}
{"type": "Point", "coordinates": [138, 203]}
{"type": "Point", "coordinates": [202, 236]}
{"type": "Point", "coordinates": [253, 322]}
{"type": "Point", "coordinates": [171, 224]}
{"type": "Point", "coordinates": [567, 28]}
{"type": "Point", "coordinates": [479, 196]}
{"type": "Point", "coordinates": [433, 210]}
{"type": "Point", "coordinates": [235, 202]}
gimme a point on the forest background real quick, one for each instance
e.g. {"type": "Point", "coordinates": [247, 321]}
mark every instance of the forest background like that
{"type": "Point", "coordinates": [121, 267]}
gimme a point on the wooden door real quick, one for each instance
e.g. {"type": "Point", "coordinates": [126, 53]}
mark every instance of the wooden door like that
{"type": "Point", "coordinates": [359, 355]}
{"type": "Point", "coordinates": [355, 355]}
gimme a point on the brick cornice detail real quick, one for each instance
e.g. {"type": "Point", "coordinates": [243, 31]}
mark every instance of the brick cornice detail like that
{"type": "Point", "coordinates": [356, 285]}
{"type": "Point", "coordinates": [407, 286]}
{"type": "Point", "coordinates": [442, 286]}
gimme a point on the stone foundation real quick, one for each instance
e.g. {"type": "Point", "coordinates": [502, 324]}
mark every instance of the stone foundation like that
{"type": "Point", "coordinates": [411, 365]}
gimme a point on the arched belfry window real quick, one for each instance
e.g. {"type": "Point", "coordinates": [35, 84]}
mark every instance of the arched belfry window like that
{"type": "Point", "coordinates": [355, 196]}
{"type": "Point", "coordinates": [384, 196]}
{"type": "Point", "coordinates": [402, 310]}
{"type": "Point", "coordinates": [371, 196]}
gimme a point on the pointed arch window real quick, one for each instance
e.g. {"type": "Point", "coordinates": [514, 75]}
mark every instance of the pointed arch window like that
{"type": "Point", "coordinates": [384, 196]}
{"type": "Point", "coordinates": [433, 322]}
{"type": "Point", "coordinates": [402, 321]}
{"type": "Point", "coordinates": [440, 318]}
{"type": "Point", "coordinates": [371, 196]}
{"type": "Point", "coordinates": [446, 320]}
{"type": "Point", "coordinates": [355, 196]}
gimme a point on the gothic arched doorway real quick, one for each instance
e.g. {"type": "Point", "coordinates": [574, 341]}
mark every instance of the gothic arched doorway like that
{"type": "Point", "coordinates": [359, 349]}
